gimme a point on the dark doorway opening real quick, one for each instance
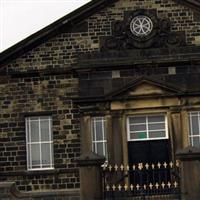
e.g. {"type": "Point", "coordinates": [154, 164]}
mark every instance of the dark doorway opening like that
{"type": "Point", "coordinates": [148, 153]}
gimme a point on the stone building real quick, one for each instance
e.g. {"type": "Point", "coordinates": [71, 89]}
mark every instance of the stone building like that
{"type": "Point", "coordinates": [119, 78]}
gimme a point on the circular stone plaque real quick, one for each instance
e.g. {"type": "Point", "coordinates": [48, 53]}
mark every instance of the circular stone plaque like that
{"type": "Point", "coordinates": [141, 26]}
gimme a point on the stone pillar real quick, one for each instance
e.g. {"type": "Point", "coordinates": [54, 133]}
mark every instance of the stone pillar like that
{"type": "Point", "coordinates": [190, 169]}
{"type": "Point", "coordinates": [176, 129]}
{"type": "Point", "coordinates": [90, 176]}
{"type": "Point", "coordinates": [117, 151]}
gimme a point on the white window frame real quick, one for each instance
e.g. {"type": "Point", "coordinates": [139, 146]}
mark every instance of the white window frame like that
{"type": "Point", "coordinates": [39, 119]}
{"type": "Point", "coordinates": [147, 139]}
{"type": "Point", "coordinates": [94, 139]}
{"type": "Point", "coordinates": [191, 135]}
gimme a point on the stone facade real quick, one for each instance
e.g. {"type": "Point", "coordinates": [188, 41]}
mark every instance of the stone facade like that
{"type": "Point", "coordinates": [44, 81]}
{"type": "Point", "coordinates": [47, 95]}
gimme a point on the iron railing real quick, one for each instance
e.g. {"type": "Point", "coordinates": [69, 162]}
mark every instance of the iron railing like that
{"type": "Point", "coordinates": [141, 180]}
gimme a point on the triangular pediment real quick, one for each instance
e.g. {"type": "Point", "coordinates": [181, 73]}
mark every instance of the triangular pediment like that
{"type": "Point", "coordinates": [67, 24]}
{"type": "Point", "coordinates": [144, 88]}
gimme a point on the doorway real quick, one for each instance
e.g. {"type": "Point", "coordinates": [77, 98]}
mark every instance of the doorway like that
{"type": "Point", "coordinates": [148, 149]}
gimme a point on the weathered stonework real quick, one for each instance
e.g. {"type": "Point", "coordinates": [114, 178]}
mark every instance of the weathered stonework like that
{"type": "Point", "coordinates": [21, 97]}
{"type": "Point", "coordinates": [62, 51]}
{"type": "Point", "coordinates": [53, 78]}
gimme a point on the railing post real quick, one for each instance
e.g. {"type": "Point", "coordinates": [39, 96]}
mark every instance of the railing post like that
{"type": "Point", "coordinates": [90, 176]}
{"type": "Point", "coordinates": [190, 167]}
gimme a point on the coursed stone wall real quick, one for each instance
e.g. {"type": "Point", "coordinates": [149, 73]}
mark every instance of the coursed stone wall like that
{"type": "Point", "coordinates": [41, 82]}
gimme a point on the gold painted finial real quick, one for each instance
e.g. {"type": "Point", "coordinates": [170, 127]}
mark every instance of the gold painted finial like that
{"type": "Point", "coordinates": [116, 167]}
{"type": "Point", "coordinates": [131, 186]}
{"type": "Point", "coordinates": [107, 188]}
{"type": "Point", "coordinates": [114, 187]}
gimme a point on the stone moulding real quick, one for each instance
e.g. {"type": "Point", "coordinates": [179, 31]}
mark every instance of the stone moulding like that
{"type": "Point", "coordinates": [160, 35]}
{"type": "Point", "coordinates": [8, 190]}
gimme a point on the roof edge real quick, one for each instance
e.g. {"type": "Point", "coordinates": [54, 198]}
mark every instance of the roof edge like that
{"type": "Point", "coordinates": [51, 30]}
{"type": "Point", "coordinates": [193, 4]}
{"type": "Point", "coordinates": [70, 19]}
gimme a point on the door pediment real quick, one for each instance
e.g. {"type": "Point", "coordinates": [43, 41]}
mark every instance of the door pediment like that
{"type": "Point", "coordinates": [144, 88]}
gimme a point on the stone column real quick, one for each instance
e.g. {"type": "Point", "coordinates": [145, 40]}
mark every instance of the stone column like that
{"type": "Point", "coordinates": [90, 176]}
{"type": "Point", "coordinates": [117, 142]}
{"type": "Point", "coordinates": [176, 129]}
{"type": "Point", "coordinates": [190, 173]}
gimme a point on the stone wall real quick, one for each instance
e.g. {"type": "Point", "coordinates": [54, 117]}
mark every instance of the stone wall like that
{"type": "Point", "coordinates": [62, 51]}
{"type": "Point", "coordinates": [41, 82]}
{"type": "Point", "coordinates": [8, 191]}
{"type": "Point", "coordinates": [45, 95]}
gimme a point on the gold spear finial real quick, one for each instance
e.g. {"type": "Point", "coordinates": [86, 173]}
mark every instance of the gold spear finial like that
{"type": "Point", "coordinates": [137, 187]}
{"type": "Point", "coordinates": [150, 186]}
{"type": "Point", "coordinates": [119, 187]}
{"type": "Point", "coordinates": [125, 187]}
{"type": "Point", "coordinates": [157, 185]}
{"type": "Point", "coordinates": [127, 168]}
{"type": "Point", "coordinates": [114, 187]}
{"type": "Point", "coordinates": [175, 184]}
{"type": "Point", "coordinates": [165, 165]}
{"type": "Point", "coordinates": [104, 166]}
{"type": "Point", "coordinates": [131, 186]}
{"type": "Point", "coordinates": [159, 165]}
{"type": "Point", "coordinates": [140, 166]}
{"type": "Point", "coordinates": [107, 188]}
{"type": "Point", "coordinates": [169, 185]}
{"type": "Point", "coordinates": [147, 166]}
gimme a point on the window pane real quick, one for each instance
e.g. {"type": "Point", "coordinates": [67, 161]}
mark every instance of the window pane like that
{"type": "Point", "coordinates": [147, 127]}
{"type": "Point", "coordinates": [191, 142]}
{"type": "Point", "coordinates": [100, 149]}
{"type": "Point", "coordinates": [106, 151]}
{"type": "Point", "coordinates": [138, 127]}
{"type": "Point", "coordinates": [141, 135]}
{"type": "Point", "coordinates": [195, 126]}
{"type": "Point", "coordinates": [45, 154]}
{"type": "Point", "coordinates": [45, 132]}
{"type": "Point", "coordinates": [156, 134]}
{"type": "Point", "coordinates": [93, 147]}
{"type": "Point", "coordinates": [196, 141]}
{"type": "Point", "coordinates": [156, 126]}
{"type": "Point", "coordinates": [29, 156]}
{"type": "Point", "coordinates": [157, 118]}
{"type": "Point", "coordinates": [35, 154]}
{"type": "Point", "coordinates": [93, 130]}
{"type": "Point", "coordinates": [99, 131]}
{"type": "Point", "coordinates": [99, 135]}
{"type": "Point", "coordinates": [135, 120]}
{"type": "Point", "coordinates": [34, 131]}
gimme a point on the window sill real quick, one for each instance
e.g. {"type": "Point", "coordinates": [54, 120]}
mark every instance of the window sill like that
{"type": "Point", "coordinates": [39, 172]}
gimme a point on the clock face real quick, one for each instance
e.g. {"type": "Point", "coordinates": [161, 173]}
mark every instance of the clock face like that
{"type": "Point", "coordinates": [141, 26]}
